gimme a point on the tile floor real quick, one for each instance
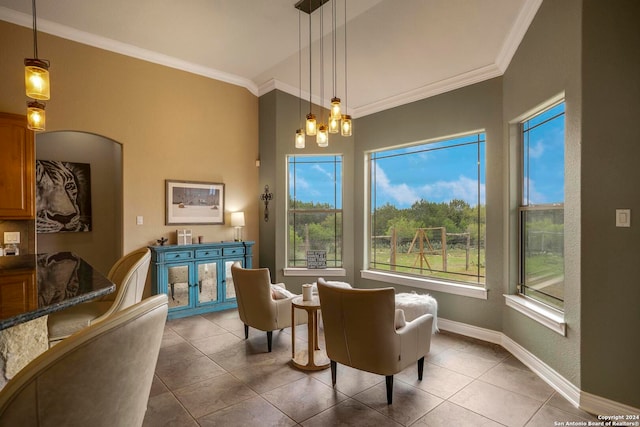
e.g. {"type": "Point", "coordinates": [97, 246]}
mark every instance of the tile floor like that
{"type": "Point", "coordinates": [208, 375]}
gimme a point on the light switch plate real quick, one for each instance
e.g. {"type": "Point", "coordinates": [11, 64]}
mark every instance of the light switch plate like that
{"type": "Point", "coordinates": [11, 237]}
{"type": "Point", "coordinates": [623, 217]}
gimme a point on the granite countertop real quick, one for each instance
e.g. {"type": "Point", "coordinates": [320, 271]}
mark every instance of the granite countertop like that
{"type": "Point", "coordinates": [32, 286]}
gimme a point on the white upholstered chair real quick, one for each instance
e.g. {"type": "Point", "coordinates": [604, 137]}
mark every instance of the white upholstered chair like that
{"type": "Point", "coordinates": [257, 306]}
{"type": "Point", "coordinates": [129, 274]}
{"type": "Point", "coordinates": [361, 331]}
{"type": "Point", "coordinates": [100, 376]}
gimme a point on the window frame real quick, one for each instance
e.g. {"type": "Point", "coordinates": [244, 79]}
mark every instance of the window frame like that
{"type": "Point", "coordinates": [338, 194]}
{"type": "Point", "coordinates": [524, 206]}
{"type": "Point", "coordinates": [476, 290]}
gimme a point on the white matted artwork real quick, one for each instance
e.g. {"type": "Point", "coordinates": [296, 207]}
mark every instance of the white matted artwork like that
{"type": "Point", "coordinates": [194, 202]}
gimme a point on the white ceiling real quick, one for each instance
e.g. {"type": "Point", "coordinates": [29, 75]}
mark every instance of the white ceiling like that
{"type": "Point", "coordinates": [398, 51]}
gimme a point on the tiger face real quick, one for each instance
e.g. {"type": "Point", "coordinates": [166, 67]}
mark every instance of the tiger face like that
{"type": "Point", "coordinates": [56, 198]}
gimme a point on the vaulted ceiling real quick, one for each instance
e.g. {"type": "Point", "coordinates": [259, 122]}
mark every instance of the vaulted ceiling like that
{"type": "Point", "coordinates": [398, 51]}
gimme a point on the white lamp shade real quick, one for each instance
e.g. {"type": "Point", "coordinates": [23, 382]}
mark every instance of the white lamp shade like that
{"type": "Point", "coordinates": [237, 219]}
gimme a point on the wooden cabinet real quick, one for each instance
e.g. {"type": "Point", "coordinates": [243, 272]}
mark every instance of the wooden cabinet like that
{"type": "Point", "coordinates": [197, 278]}
{"type": "Point", "coordinates": [18, 292]}
{"type": "Point", "coordinates": [17, 164]}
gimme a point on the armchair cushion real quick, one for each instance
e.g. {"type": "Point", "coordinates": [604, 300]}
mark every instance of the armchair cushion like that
{"type": "Point", "coordinates": [278, 291]}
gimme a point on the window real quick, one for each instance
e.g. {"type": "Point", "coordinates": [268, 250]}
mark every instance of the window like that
{"type": "Point", "coordinates": [541, 212]}
{"type": "Point", "coordinates": [315, 209]}
{"type": "Point", "coordinates": [427, 207]}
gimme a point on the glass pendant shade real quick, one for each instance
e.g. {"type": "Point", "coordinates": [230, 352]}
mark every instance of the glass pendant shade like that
{"type": "Point", "coordinates": [300, 138]}
{"type": "Point", "coordinates": [311, 124]}
{"type": "Point", "coordinates": [36, 79]}
{"type": "Point", "coordinates": [336, 110]}
{"type": "Point", "coordinates": [35, 116]}
{"type": "Point", "coordinates": [345, 126]}
{"type": "Point", "coordinates": [334, 124]}
{"type": "Point", "coordinates": [323, 136]}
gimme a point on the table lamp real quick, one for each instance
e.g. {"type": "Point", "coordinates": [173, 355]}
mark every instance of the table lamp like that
{"type": "Point", "coordinates": [237, 221]}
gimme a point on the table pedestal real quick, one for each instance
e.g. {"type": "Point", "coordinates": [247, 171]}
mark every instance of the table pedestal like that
{"type": "Point", "coordinates": [313, 359]}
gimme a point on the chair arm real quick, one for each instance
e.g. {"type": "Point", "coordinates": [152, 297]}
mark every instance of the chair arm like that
{"type": "Point", "coordinates": [415, 339]}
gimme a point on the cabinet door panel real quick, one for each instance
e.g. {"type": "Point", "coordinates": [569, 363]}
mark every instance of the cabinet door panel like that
{"type": "Point", "coordinates": [17, 164]}
{"type": "Point", "coordinates": [207, 289]}
{"type": "Point", "coordinates": [178, 290]}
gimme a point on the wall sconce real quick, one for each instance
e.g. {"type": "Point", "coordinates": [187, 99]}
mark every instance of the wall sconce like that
{"type": "Point", "coordinates": [266, 197]}
{"type": "Point", "coordinates": [237, 221]}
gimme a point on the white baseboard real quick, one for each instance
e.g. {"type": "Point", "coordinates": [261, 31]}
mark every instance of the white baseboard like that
{"type": "Point", "coordinates": [580, 399]}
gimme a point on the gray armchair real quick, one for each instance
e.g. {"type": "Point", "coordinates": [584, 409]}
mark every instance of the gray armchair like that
{"type": "Point", "coordinates": [361, 331]}
{"type": "Point", "coordinates": [98, 377]}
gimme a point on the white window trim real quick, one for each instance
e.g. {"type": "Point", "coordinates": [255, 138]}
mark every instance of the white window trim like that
{"type": "Point", "coordinates": [426, 283]}
{"type": "Point", "coordinates": [546, 316]}
{"type": "Point", "coordinates": [317, 272]}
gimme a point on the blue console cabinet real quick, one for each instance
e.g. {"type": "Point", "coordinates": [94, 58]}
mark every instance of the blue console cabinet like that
{"type": "Point", "coordinates": [197, 278]}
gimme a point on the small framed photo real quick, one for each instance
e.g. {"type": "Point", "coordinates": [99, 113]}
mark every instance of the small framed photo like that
{"type": "Point", "coordinates": [194, 202]}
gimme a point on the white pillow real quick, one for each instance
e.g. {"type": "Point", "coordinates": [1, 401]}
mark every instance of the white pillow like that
{"type": "Point", "coordinates": [400, 321]}
{"type": "Point", "coordinates": [278, 291]}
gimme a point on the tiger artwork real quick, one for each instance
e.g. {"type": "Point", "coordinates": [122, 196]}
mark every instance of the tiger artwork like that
{"type": "Point", "coordinates": [59, 188]}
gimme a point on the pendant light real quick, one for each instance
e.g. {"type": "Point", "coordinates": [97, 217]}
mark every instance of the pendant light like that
{"type": "Point", "coordinates": [35, 116]}
{"type": "Point", "coordinates": [36, 71]}
{"type": "Point", "coordinates": [337, 121]}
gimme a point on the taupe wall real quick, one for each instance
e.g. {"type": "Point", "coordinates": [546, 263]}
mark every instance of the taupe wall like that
{"type": "Point", "coordinates": [547, 63]}
{"type": "Point", "coordinates": [101, 247]}
{"type": "Point", "coordinates": [171, 124]}
{"type": "Point", "coordinates": [610, 179]}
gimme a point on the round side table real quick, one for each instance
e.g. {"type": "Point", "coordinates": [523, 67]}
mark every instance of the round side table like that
{"type": "Point", "coordinates": [314, 359]}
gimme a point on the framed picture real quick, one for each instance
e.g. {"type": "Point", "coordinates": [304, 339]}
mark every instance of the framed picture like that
{"type": "Point", "coordinates": [194, 202]}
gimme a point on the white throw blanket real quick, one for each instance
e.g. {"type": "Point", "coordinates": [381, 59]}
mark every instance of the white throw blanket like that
{"type": "Point", "coordinates": [415, 305]}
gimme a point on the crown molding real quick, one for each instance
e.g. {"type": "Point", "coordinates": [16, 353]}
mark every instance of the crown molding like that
{"type": "Point", "coordinates": [83, 37]}
{"type": "Point", "coordinates": [516, 34]}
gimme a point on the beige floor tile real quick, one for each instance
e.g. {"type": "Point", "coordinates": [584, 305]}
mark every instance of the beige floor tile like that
{"type": "Point", "coordinates": [195, 327]}
{"type": "Point", "coordinates": [267, 375]}
{"type": "Point", "coordinates": [157, 386]}
{"type": "Point", "coordinates": [550, 416]}
{"type": "Point", "coordinates": [213, 394]}
{"type": "Point", "coordinates": [177, 353]}
{"type": "Point", "coordinates": [436, 380]}
{"type": "Point", "coordinates": [462, 362]}
{"type": "Point", "coordinates": [350, 413]}
{"type": "Point", "coordinates": [448, 414]}
{"type": "Point", "coordinates": [251, 412]}
{"type": "Point", "coordinates": [349, 381]}
{"type": "Point", "coordinates": [185, 372]}
{"type": "Point", "coordinates": [409, 403]}
{"type": "Point", "coordinates": [519, 381]}
{"type": "Point", "coordinates": [171, 337]}
{"type": "Point", "coordinates": [488, 351]}
{"type": "Point", "coordinates": [559, 402]}
{"type": "Point", "coordinates": [498, 404]}
{"type": "Point", "coordinates": [304, 398]}
{"type": "Point", "coordinates": [216, 343]}
{"type": "Point", "coordinates": [165, 410]}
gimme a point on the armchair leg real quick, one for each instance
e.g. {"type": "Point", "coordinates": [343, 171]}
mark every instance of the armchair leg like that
{"type": "Point", "coordinates": [420, 368]}
{"type": "Point", "coordinates": [389, 381]}
{"type": "Point", "coordinates": [334, 369]}
{"type": "Point", "coordinates": [269, 340]}
{"type": "Point", "coordinates": [246, 331]}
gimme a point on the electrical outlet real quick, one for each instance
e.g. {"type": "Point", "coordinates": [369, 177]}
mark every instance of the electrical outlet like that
{"type": "Point", "coordinates": [11, 237]}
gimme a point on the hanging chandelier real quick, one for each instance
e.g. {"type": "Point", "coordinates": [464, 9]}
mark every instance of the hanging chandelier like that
{"type": "Point", "coordinates": [36, 80]}
{"type": "Point", "coordinates": [337, 122]}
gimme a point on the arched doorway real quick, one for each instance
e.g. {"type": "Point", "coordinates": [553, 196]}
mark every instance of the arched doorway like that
{"type": "Point", "coordinates": [102, 245]}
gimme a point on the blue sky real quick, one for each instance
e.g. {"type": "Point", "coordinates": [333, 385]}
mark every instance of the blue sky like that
{"type": "Point", "coordinates": [434, 173]}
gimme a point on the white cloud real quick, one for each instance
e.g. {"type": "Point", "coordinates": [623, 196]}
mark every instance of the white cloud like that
{"type": "Point", "coordinates": [320, 169]}
{"type": "Point", "coordinates": [537, 150]}
{"type": "Point", "coordinates": [463, 188]}
{"type": "Point", "coordinates": [401, 193]}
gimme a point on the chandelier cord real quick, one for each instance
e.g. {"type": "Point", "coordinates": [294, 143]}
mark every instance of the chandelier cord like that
{"type": "Point", "coordinates": [35, 30]}
{"type": "Point", "coordinates": [346, 103]}
{"type": "Point", "coordinates": [322, 62]}
{"type": "Point", "coordinates": [310, 90]}
{"type": "Point", "coordinates": [300, 66]}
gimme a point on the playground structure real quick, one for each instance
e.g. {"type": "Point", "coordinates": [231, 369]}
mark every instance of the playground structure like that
{"type": "Point", "coordinates": [424, 247]}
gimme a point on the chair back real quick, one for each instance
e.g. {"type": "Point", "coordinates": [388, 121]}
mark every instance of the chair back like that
{"type": "Point", "coordinates": [100, 376]}
{"type": "Point", "coordinates": [253, 293]}
{"type": "Point", "coordinates": [359, 327]}
{"type": "Point", "coordinates": [129, 274]}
